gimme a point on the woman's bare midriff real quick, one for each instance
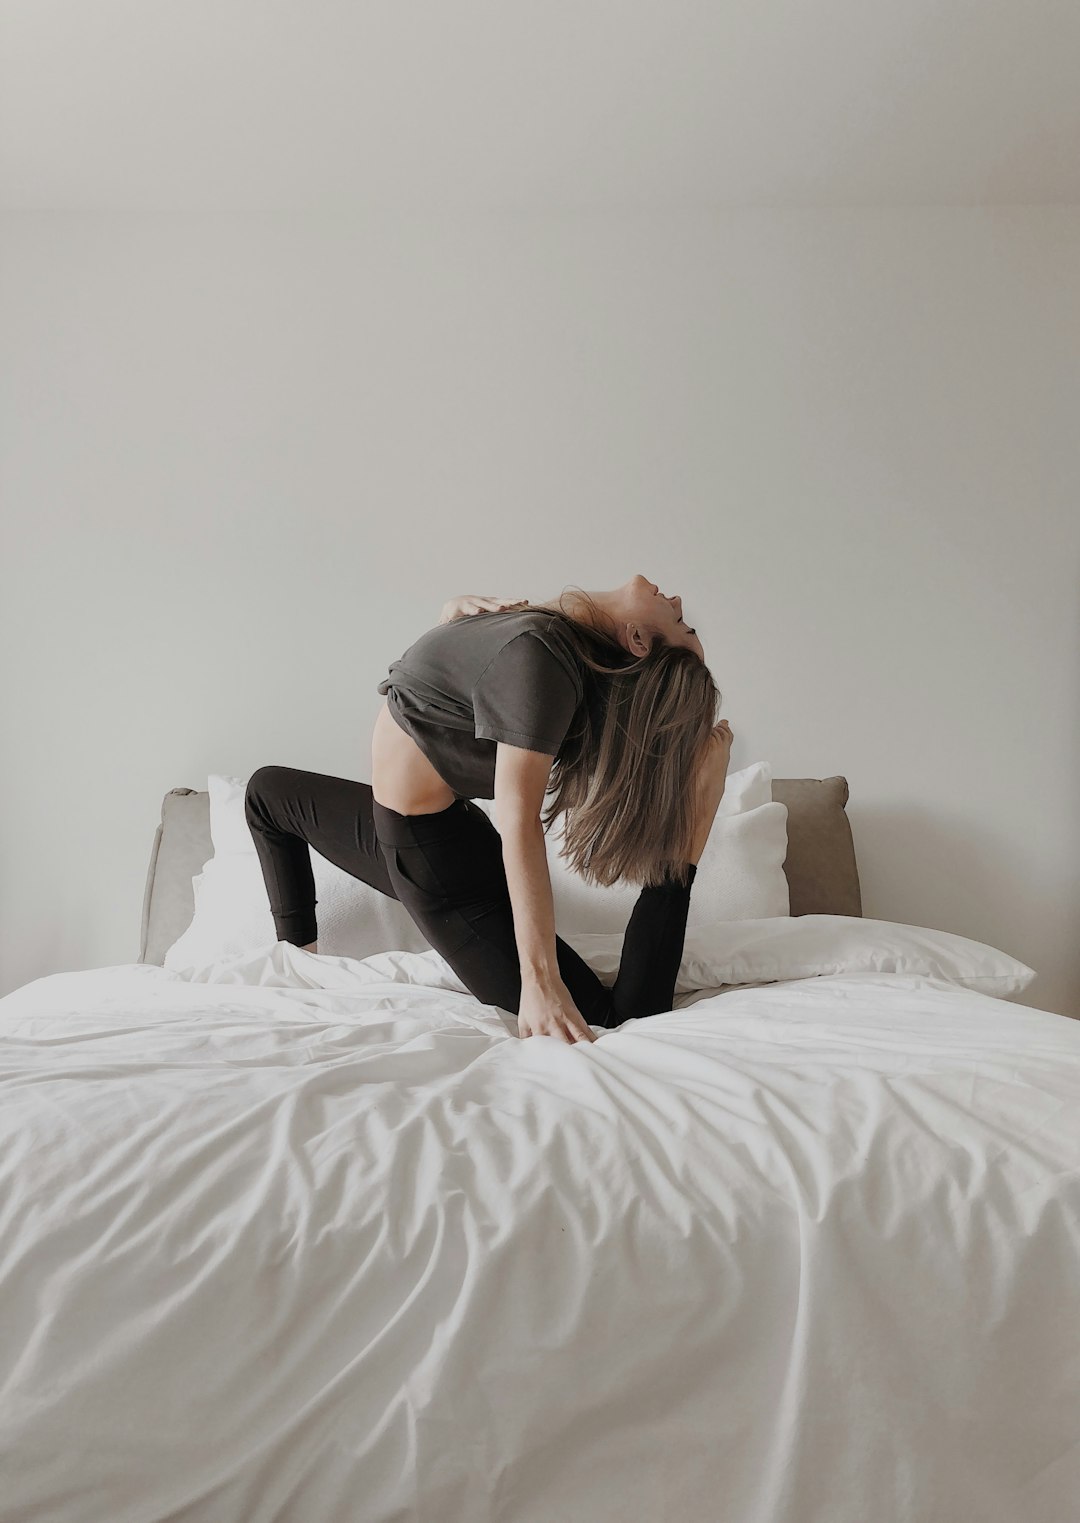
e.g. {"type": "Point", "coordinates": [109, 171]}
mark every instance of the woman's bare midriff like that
{"type": "Point", "coordinates": [402, 778]}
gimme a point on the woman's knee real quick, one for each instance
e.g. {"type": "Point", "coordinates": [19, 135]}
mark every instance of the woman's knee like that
{"type": "Point", "coordinates": [264, 784]}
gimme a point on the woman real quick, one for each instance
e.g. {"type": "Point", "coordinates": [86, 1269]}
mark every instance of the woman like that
{"type": "Point", "coordinates": [602, 699]}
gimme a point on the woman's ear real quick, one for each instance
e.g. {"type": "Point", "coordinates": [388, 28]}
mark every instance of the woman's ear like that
{"type": "Point", "coordinates": [635, 640]}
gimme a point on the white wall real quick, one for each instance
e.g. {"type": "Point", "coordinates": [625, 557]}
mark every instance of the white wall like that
{"type": "Point", "coordinates": [245, 460]}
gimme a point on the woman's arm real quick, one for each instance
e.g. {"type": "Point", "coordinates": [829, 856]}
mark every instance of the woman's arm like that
{"type": "Point", "coordinates": [527, 876]}
{"type": "Point", "coordinates": [547, 1007]}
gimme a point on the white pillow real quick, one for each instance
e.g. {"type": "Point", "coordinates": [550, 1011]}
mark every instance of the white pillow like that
{"type": "Point", "coordinates": [229, 829]}
{"type": "Point", "coordinates": [747, 788]}
{"type": "Point", "coordinates": [232, 914]}
{"type": "Point", "coordinates": [804, 946]}
{"type": "Point", "coordinates": [740, 875]}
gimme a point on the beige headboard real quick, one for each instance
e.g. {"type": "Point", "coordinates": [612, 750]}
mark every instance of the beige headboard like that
{"type": "Point", "coordinates": [820, 866]}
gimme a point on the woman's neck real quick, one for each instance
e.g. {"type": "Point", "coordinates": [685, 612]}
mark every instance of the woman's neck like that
{"type": "Point", "coordinates": [570, 603]}
{"type": "Point", "coordinates": [597, 615]}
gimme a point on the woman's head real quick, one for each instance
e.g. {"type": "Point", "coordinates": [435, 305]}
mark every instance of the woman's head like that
{"type": "Point", "coordinates": [624, 778]}
{"type": "Point", "coordinates": [639, 612]}
{"type": "Point", "coordinates": [633, 614]}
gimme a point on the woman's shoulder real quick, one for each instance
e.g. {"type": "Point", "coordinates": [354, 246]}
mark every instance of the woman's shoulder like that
{"type": "Point", "coordinates": [549, 630]}
{"type": "Point", "coordinates": [480, 637]}
{"type": "Point", "coordinates": [477, 638]}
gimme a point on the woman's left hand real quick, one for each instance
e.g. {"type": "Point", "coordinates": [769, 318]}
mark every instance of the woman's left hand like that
{"type": "Point", "coordinates": [456, 608]}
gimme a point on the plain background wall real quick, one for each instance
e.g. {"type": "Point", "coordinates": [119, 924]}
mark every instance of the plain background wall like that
{"type": "Point", "coordinates": [246, 458]}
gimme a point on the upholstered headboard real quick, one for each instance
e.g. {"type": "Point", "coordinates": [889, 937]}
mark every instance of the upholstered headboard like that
{"type": "Point", "coordinates": [822, 875]}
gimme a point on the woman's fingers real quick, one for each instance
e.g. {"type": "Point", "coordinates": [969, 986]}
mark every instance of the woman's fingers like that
{"type": "Point", "coordinates": [472, 603]}
{"type": "Point", "coordinates": [569, 1033]}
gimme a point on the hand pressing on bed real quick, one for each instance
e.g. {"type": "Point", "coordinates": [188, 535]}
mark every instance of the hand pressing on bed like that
{"type": "Point", "coordinates": [470, 603]}
{"type": "Point", "coordinates": [548, 1009]}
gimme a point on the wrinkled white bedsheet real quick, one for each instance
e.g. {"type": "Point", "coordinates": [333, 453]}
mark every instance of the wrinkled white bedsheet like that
{"type": "Point", "coordinates": [316, 1239]}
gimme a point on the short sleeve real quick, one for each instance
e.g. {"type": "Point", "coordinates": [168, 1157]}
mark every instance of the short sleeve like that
{"type": "Point", "coordinates": [525, 697]}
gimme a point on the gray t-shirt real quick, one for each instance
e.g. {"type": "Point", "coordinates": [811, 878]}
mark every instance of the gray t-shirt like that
{"type": "Point", "coordinates": [510, 676]}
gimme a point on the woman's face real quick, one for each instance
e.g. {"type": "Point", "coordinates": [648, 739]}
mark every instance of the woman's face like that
{"type": "Point", "coordinates": [659, 613]}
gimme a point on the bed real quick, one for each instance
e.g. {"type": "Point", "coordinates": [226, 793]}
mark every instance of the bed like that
{"type": "Point", "coordinates": [320, 1239]}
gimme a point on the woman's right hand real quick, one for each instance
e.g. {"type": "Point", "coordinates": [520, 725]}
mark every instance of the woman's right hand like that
{"type": "Point", "coordinates": [714, 764]}
{"type": "Point", "coordinates": [549, 1010]}
{"type": "Point", "coordinates": [722, 739]}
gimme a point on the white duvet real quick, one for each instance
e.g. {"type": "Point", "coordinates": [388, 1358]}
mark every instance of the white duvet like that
{"type": "Point", "coordinates": [320, 1239]}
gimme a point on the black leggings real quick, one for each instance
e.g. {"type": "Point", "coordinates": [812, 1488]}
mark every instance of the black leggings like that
{"type": "Point", "coordinates": [447, 870]}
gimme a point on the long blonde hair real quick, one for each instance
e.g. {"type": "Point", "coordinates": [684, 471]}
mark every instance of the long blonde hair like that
{"type": "Point", "coordinates": [624, 777]}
